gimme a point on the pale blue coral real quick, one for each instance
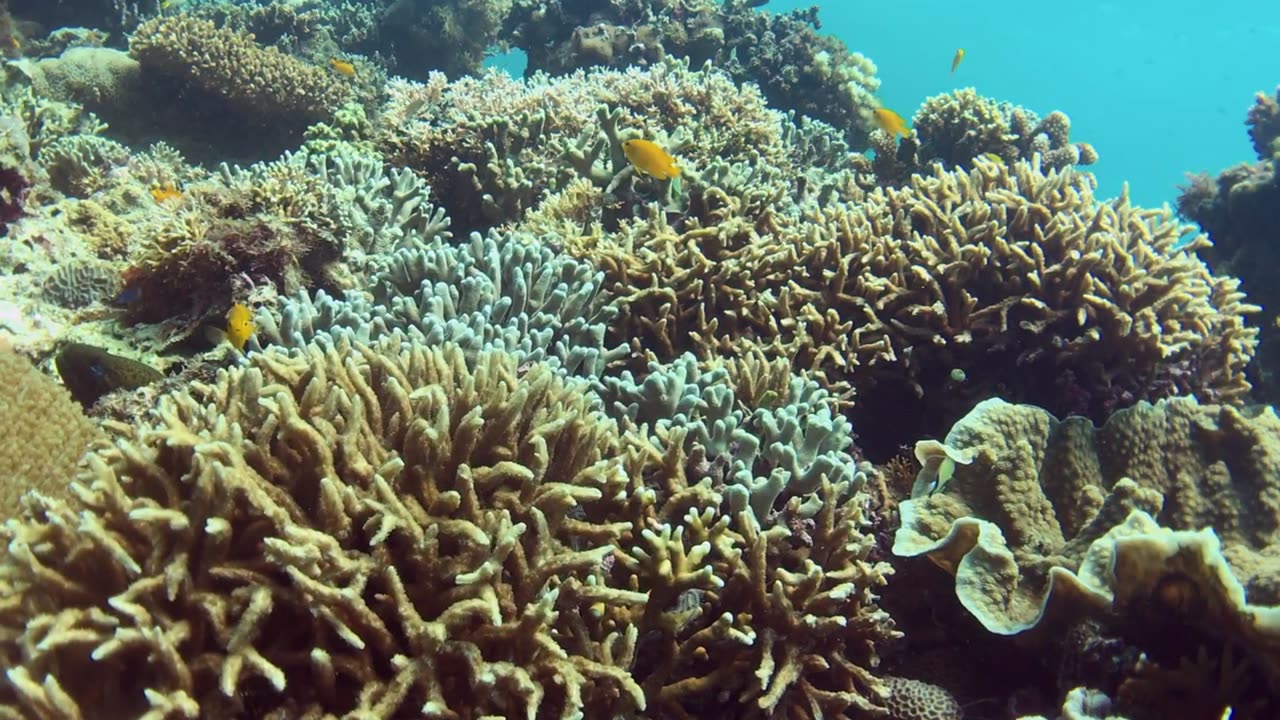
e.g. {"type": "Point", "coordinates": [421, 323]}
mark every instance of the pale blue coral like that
{"type": "Point", "coordinates": [492, 292]}
{"type": "Point", "coordinates": [787, 447]}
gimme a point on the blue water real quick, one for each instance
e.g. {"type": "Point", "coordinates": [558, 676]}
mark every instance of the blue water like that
{"type": "Point", "coordinates": [1160, 88]}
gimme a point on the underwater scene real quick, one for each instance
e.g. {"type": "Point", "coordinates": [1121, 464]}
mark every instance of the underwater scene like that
{"type": "Point", "coordinates": [639, 359]}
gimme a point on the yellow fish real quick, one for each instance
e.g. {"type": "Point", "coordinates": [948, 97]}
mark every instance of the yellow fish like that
{"type": "Point", "coordinates": [993, 157]}
{"type": "Point", "coordinates": [955, 61]}
{"type": "Point", "coordinates": [892, 123]}
{"type": "Point", "coordinates": [239, 325]}
{"type": "Point", "coordinates": [650, 159]}
{"type": "Point", "coordinates": [165, 192]}
{"type": "Point", "coordinates": [343, 67]}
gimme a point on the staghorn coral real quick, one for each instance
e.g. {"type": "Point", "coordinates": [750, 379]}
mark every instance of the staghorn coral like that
{"type": "Point", "coordinates": [45, 433]}
{"type": "Point", "coordinates": [960, 284]}
{"type": "Point", "coordinates": [435, 540]}
{"type": "Point", "coordinates": [1164, 517]}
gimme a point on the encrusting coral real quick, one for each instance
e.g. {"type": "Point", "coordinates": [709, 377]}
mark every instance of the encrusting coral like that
{"type": "Point", "coordinates": [1164, 515]}
{"type": "Point", "coordinates": [378, 530]}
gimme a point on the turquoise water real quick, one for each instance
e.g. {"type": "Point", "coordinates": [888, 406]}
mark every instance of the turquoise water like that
{"type": "Point", "coordinates": [1159, 88]}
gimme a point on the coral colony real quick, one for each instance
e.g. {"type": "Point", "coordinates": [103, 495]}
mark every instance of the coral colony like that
{"type": "Point", "coordinates": [346, 378]}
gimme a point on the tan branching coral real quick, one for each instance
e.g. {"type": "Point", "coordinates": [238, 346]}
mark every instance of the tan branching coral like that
{"type": "Point", "coordinates": [1017, 279]}
{"type": "Point", "coordinates": [957, 127]}
{"type": "Point", "coordinates": [261, 82]}
{"type": "Point", "coordinates": [378, 531]}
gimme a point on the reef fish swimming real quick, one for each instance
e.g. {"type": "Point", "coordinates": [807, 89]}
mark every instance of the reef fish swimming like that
{"type": "Point", "coordinates": [955, 61]}
{"type": "Point", "coordinates": [650, 159]}
{"type": "Point", "coordinates": [239, 325]}
{"type": "Point", "coordinates": [892, 123]}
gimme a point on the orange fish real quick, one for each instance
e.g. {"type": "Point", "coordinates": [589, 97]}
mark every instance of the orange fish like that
{"type": "Point", "coordinates": [161, 193]}
{"type": "Point", "coordinates": [343, 67]}
{"type": "Point", "coordinates": [955, 61]}
{"type": "Point", "coordinates": [892, 123]}
{"type": "Point", "coordinates": [650, 159]}
{"type": "Point", "coordinates": [239, 325]}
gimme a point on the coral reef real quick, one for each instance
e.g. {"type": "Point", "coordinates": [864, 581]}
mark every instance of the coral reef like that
{"type": "Point", "coordinates": [1059, 516]}
{"type": "Point", "coordinates": [795, 66]}
{"type": "Point", "coordinates": [957, 127]}
{"type": "Point", "coordinates": [354, 529]}
{"type": "Point", "coordinates": [450, 36]}
{"type": "Point", "coordinates": [492, 148]}
{"type": "Point", "coordinates": [216, 72]}
{"type": "Point", "coordinates": [491, 292]}
{"type": "Point", "coordinates": [1002, 279]}
{"type": "Point", "coordinates": [1238, 210]}
{"type": "Point", "coordinates": [45, 434]}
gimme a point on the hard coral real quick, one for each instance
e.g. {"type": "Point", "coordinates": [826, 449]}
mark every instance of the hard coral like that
{"type": "Point", "coordinates": [1238, 210]}
{"type": "Point", "coordinates": [225, 74]}
{"type": "Point", "coordinates": [493, 147]}
{"type": "Point", "coordinates": [1155, 519]}
{"type": "Point", "coordinates": [45, 434]}
{"type": "Point", "coordinates": [955, 286]}
{"type": "Point", "coordinates": [796, 67]}
{"type": "Point", "coordinates": [958, 127]}
{"type": "Point", "coordinates": [1264, 124]}
{"type": "Point", "coordinates": [428, 537]}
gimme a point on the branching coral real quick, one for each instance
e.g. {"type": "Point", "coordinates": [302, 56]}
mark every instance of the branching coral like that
{"type": "Point", "coordinates": [1264, 124]}
{"type": "Point", "coordinates": [1002, 278]}
{"type": "Point", "coordinates": [226, 74]}
{"type": "Point", "coordinates": [421, 537]}
{"type": "Point", "coordinates": [301, 222]}
{"type": "Point", "coordinates": [1238, 211]}
{"type": "Point", "coordinates": [796, 67]}
{"type": "Point", "coordinates": [491, 292]}
{"type": "Point", "coordinates": [960, 126]}
{"type": "Point", "coordinates": [492, 147]}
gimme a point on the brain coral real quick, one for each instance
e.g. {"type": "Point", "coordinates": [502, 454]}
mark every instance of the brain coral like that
{"type": "Point", "coordinates": [379, 531]}
{"type": "Point", "coordinates": [1113, 517]}
{"type": "Point", "coordinates": [45, 432]}
{"type": "Point", "coordinates": [960, 284]}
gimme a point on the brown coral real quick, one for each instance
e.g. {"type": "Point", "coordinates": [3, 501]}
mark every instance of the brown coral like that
{"type": "Point", "coordinates": [1001, 278]}
{"type": "Point", "coordinates": [45, 433]}
{"type": "Point", "coordinates": [1264, 124]}
{"type": "Point", "coordinates": [378, 530]}
{"type": "Point", "coordinates": [1059, 515]}
{"type": "Point", "coordinates": [256, 82]}
{"type": "Point", "coordinates": [958, 127]}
